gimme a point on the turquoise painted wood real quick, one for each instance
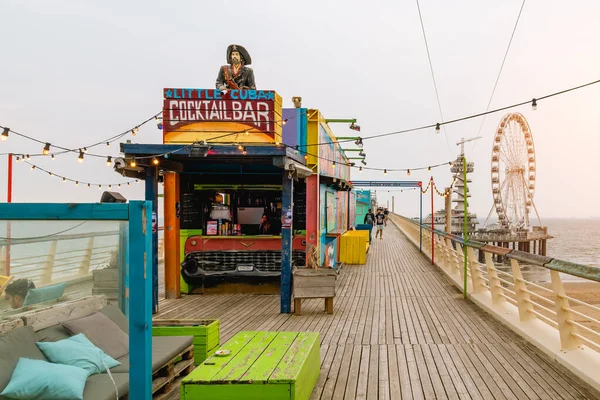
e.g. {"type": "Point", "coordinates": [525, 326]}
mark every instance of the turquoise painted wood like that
{"type": "Point", "coordinates": [140, 299]}
{"type": "Point", "coordinates": [261, 365]}
{"type": "Point", "coordinates": [62, 211]}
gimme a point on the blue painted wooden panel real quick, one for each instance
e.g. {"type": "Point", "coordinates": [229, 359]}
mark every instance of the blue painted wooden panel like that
{"type": "Point", "coordinates": [140, 300]}
{"type": "Point", "coordinates": [64, 211]}
{"type": "Point", "coordinates": [287, 196]}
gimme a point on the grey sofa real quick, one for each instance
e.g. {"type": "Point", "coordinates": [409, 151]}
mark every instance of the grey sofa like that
{"type": "Point", "coordinates": [20, 342]}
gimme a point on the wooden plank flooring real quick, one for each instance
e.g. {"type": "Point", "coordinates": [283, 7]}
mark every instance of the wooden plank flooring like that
{"type": "Point", "coordinates": [400, 330]}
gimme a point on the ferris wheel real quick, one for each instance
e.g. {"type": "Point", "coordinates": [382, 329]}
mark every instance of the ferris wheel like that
{"type": "Point", "coordinates": [513, 172]}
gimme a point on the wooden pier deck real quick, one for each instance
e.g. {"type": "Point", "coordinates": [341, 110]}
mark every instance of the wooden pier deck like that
{"type": "Point", "coordinates": [399, 330]}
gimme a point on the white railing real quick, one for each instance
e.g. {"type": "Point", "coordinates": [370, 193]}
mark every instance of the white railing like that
{"type": "Point", "coordinates": [566, 328]}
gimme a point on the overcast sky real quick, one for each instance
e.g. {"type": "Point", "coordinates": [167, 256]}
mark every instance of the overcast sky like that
{"type": "Point", "coordinates": [75, 72]}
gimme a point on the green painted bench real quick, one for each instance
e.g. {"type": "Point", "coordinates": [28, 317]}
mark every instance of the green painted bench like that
{"type": "Point", "coordinates": [262, 365]}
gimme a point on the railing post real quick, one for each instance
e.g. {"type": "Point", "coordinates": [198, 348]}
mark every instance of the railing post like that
{"type": "Point", "coordinates": [523, 301]}
{"type": "Point", "coordinates": [565, 328]}
{"type": "Point", "coordinates": [84, 268]}
{"type": "Point", "coordinates": [459, 260]}
{"type": "Point", "coordinates": [448, 254]}
{"type": "Point", "coordinates": [49, 264]}
{"type": "Point", "coordinates": [476, 276]}
{"type": "Point", "coordinates": [3, 261]}
{"type": "Point", "coordinates": [440, 252]}
{"type": "Point", "coordinates": [495, 285]}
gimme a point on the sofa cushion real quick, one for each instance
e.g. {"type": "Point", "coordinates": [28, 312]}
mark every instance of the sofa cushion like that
{"type": "Point", "coordinates": [53, 333]}
{"type": "Point", "coordinates": [14, 345]}
{"type": "Point", "coordinates": [116, 316]}
{"type": "Point", "coordinates": [101, 331]}
{"type": "Point", "coordinates": [165, 348]}
{"type": "Point", "coordinates": [37, 379]}
{"type": "Point", "coordinates": [78, 351]}
{"type": "Point", "coordinates": [46, 293]}
{"type": "Point", "coordinates": [100, 387]}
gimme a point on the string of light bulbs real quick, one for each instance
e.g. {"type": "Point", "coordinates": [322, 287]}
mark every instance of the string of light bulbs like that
{"type": "Point", "coordinates": [80, 182]}
{"type": "Point", "coordinates": [438, 125]}
{"type": "Point", "coordinates": [81, 150]}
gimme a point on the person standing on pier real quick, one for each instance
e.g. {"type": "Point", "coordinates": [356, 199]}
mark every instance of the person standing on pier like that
{"type": "Point", "coordinates": [380, 223]}
{"type": "Point", "coordinates": [370, 220]}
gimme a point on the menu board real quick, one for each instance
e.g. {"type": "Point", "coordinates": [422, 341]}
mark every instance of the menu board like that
{"type": "Point", "coordinates": [191, 211]}
{"type": "Point", "coordinates": [299, 212]}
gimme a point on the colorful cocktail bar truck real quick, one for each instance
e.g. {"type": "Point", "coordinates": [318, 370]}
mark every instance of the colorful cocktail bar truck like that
{"type": "Point", "coordinates": [248, 187]}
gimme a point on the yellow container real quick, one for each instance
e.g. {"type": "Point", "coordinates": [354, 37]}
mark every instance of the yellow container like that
{"type": "Point", "coordinates": [354, 246]}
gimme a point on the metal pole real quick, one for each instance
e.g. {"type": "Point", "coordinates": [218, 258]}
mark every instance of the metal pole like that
{"type": "Point", "coordinates": [8, 223]}
{"type": "Point", "coordinates": [465, 230]}
{"type": "Point", "coordinates": [420, 220]}
{"type": "Point", "coordinates": [432, 224]}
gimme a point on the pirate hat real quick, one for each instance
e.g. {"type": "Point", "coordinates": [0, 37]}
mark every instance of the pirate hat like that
{"type": "Point", "coordinates": [241, 50]}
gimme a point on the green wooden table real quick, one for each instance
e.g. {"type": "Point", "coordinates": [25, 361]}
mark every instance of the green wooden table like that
{"type": "Point", "coordinates": [262, 365]}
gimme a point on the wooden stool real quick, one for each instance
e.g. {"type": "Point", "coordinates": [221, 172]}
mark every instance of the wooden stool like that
{"type": "Point", "coordinates": [312, 283]}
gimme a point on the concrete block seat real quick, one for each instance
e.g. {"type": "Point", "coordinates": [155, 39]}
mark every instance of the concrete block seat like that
{"type": "Point", "coordinates": [167, 353]}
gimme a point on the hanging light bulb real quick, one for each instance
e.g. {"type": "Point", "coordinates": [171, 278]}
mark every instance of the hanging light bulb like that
{"type": "Point", "coordinates": [132, 163]}
{"type": "Point", "coordinates": [85, 149]}
{"type": "Point", "coordinates": [80, 158]}
{"type": "Point", "coordinates": [4, 134]}
{"type": "Point", "coordinates": [108, 161]}
{"type": "Point", "coordinates": [284, 121]}
{"type": "Point", "coordinates": [46, 150]}
{"type": "Point", "coordinates": [437, 128]}
{"type": "Point", "coordinates": [119, 185]}
{"type": "Point", "coordinates": [534, 104]}
{"type": "Point", "coordinates": [17, 159]}
{"type": "Point", "coordinates": [450, 163]}
{"type": "Point", "coordinates": [385, 171]}
{"type": "Point", "coordinates": [99, 187]}
{"type": "Point", "coordinates": [306, 156]}
{"type": "Point", "coordinates": [107, 144]}
{"type": "Point", "coordinates": [76, 183]}
{"type": "Point", "coordinates": [408, 172]}
{"type": "Point", "coordinates": [109, 186]}
{"type": "Point", "coordinates": [360, 169]}
{"type": "Point", "coordinates": [89, 186]}
{"type": "Point", "coordinates": [32, 167]}
{"type": "Point", "coordinates": [50, 173]}
{"type": "Point", "coordinates": [52, 157]}
{"type": "Point", "coordinates": [155, 161]}
{"type": "Point", "coordinates": [27, 157]}
{"type": "Point", "coordinates": [128, 183]}
{"type": "Point", "coordinates": [333, 164]}
{"type": "Point", "coordinates": [240, 147]}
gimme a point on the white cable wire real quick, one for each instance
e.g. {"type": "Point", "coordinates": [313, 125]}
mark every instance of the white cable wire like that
{"type": "Point", "coordinates": [111, 377]}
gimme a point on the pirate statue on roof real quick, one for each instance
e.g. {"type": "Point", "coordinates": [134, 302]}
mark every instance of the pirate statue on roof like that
{"type": "Point", "coordinates": [236, 75]}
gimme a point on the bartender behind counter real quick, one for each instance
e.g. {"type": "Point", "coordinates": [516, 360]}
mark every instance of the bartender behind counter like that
{"type": "Point", "coordinates": [265, 226]}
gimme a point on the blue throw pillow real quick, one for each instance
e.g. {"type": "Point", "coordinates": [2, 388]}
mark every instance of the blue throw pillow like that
{"type": "Point", "coordinates": [46, 293]}
{"type": "Point", "coordinates": [37, 379]}
{"type": "Point", "coordinates": [78, 351]}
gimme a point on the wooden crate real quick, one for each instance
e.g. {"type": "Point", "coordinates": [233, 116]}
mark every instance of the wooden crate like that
{"type": "Point", "coordinates": [206, 333]}
{"type": "Point", "coordinates": [314, 283]}
{"type": "Point", "coordinates": [262, 365]}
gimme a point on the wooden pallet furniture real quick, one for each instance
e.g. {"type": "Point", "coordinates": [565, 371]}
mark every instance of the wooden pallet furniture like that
{"type": "Point", "coordinates": [166, 379]}
{"type": "Point", "coordinates": [311, 283]}
{"type": "Point", "coordinates": [261, 365]}
{"type": "Point", "coordinates": [206, 333]}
